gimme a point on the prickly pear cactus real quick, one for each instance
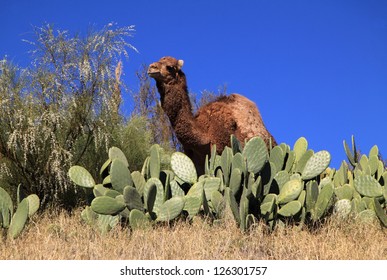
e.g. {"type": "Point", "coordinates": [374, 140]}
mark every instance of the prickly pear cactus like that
{"type": "Point", "coordinates": [255, 153]}
{"type": "Point", "coordinates": [106, 205]}
{"type": "Point", "coordinates": [19, 219]}
{"type": "Point", "coordinates": [290, 191]}
{"type": "Point", "coordinates": [120, 175]}
{"type": "Point", "coordinates": [183, 167]}
{"type": "Point", "coordinates": [316, 165]}
{"type": "Point", "coordinates": [368, 186]}
{"type": "Point", "coordinates": [170, 209]}
{"type": "Point", "coordinates": [116, 153]}
{"type": "Point", "coordinates": [81, 177]}
{"type": "Point", "coordinates": [290, 209]}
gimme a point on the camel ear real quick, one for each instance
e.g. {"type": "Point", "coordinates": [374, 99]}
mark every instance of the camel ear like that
{"type": "Point", "coordinates": [180, 63]}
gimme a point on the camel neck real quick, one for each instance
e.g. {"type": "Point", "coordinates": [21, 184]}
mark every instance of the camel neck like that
{"type": "Point", "coordinates": [176, 104]}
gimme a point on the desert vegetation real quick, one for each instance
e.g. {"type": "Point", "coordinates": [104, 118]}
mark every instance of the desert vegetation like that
{"type": "Point", "coordinates": [78, 177]}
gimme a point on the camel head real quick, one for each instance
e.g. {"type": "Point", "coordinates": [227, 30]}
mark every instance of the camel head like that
{"type": "Point", "coordinates": [166, 69]}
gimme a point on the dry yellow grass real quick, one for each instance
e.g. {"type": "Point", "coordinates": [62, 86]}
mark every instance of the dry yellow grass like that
{"type": "Point", "coordinates": [64, 237]}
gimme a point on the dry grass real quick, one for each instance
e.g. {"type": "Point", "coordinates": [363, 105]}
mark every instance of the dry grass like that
{"type": "Point", "coordinates": [64, 237]}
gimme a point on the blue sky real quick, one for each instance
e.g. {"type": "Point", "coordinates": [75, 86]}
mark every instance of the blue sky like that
{"type": "Point", "coordinates": [316, 69]}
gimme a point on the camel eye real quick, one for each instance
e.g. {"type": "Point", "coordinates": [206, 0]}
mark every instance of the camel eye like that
{"type": "Point", "coordinates": [171, 68]}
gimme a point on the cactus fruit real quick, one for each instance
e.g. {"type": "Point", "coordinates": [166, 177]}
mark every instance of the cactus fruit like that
{"type": "Point", "coordinates": [290, 191]}
{"type": "Point", "coordinates": [183, 167]}
{"type": "Point", "coordinates": [19, 219]}
{"type": "Point", "coordinates": [170, 209]}
{"type": "Point", "coordinates": [316, 165]}
{"type": "Point", "coordinates": [366, 185]}
{"type": "Point", "coordinates": [120, 175]}
{"type": "Point", "coordinates": [106, 205]}
{"type": "Point", "coordinates": [290, 209]}
{"type": "Point", "coordinates": [255, 153]}
{"type": "Point", "coordinates": [81, 177]}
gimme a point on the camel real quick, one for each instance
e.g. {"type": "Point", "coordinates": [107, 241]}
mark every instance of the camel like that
{"type": "Point", "coordinates": [213, 123]}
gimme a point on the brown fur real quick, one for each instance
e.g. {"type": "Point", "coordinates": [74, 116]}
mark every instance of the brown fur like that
{"type": "Point", "coordinates": [213, 123]}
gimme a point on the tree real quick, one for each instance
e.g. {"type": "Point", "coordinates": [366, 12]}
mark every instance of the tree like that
{"type": "Point", "coordinates": [61, 111]}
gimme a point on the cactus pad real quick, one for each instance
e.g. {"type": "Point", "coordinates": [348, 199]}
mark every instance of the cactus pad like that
{"type": "Point", "coordinates": [170, 209]}
{"type": "Point", "coordinates": [19, 219]}
{"type": "Point", "coordinates": [290, 209]}
{"type": "Point", "coordinates": [366, 185]}
{"type": "Point", "coordinates": [290, 191]}
{"type": "Point", "coordinates": [323, 201]}
{"type": "Point", "coordinates": [116, 153]}
{"type": "Point", "coordinates": [300, 147]}
{"type": "Point", "coordinates": [33, 204]}
{"type": "Point", "coordinates": [255, 153]}
{"type": "Point", "coordinates": [138, 220]}
{"type": "Point", "coordinates": [183, 167]}
{"type": "Point", "coordinates": [81, 177]}
{"type": "Point", "coordinates": [132, 198]}
{"type": "Point", "coordinates": [316, 165]}
{"type": "Point", "coordinates": [120, 175]}
{"type": "Point", "coordinates": [106, 205]}
{"type": "Point", "coordinates": [343, 208]}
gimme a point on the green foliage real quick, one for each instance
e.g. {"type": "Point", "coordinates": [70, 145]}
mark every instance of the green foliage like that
{"type": "Point", "coordinates": [14, 222]}
{"type": "Point", "coordinates": [61, 110]}
{"type": "Point", "coordinates": [278, 187]}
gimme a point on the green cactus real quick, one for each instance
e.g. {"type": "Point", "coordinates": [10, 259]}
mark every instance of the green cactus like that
{"type": "Point", "coordinates": [154, 161]}
{"type": "Point", "coordinates": [183, 167]}
{"type": "Point", "coordinates": [290, 161]}
{"type": "Point", "coordinates": [300, 147]}
{"type": "Point", "coordinates": [106, 205]}
{"type": "Point", "coordinates": [33, 204]}
{"type": "Point", "coordinates": [344, 192]}
{"type": "Point", "coordinates": [99, 190]}
{"type": "Point", "coordinates": [290, 209]}
{"type": "Point", "coordinates": [106, 222]}
{"type": "Point", "coordinates": [226, 160]}
{"type": "Point", "coordinates": [367, 216]}
{"type": "Point", "coordinates": [210, 185]}
{"type": "Point", "coordinates": [138, 220]}
{"type": "Point", "coordinates": [343, 208]}
{"type": "Point", "coordinates": [176, 189]}
{"type": "Point", "coordinates": [89, 216]}
{"type": "Point", "coordinates": [19, 219]}
{"type": "Point", "coordinates": [312, 192]}
{"type": "Point", "coordinates": [153, 195]}
{"type": "Point", "coordinates": [170, 209]}
{"type": "Point", "coordinates": [6, 201]}
{"type": "Point", "coordinates": [217, 202]}
{"type": "Point", "coordinates": [243, 210]}
{"type": "Point", "coordinates": [235, 180]}
{"type": "Point", "coordinates": [290, 191]}
{"type": "Point", "coordinates": [366, 185]}
{"type": "Point", "coordinates": [139, 182]}
{"type": "Point", "coordinates": [81, 177]}
{"type": "Point", "coordinates": [300, 164]}
{"type": "Point", "coordinates": [104, 171]}
{"type": "Point", "coordinates": [323, 201]}
{"type": "Point", "coordinates": [352, 155]}
{"type": "Point", "coordinates": [235, 145]}
{"type": "Point", "coordinates": [277, 156]}
{"type": "Point", "coordinates": [120, 175]}
{"type": "Point", "coordinates": [380, 212]}
{"type": "Point", "coordinates": [341, 176]}
{"type": "Point", "coordinates": [232, 204]}
{"type": "Point", "coordinates": [132, 198]}
{"type": "Point", "coordinates": [116, 153]}
{"type": "Point", "coordinates": [281, 178]}
{"type": "Point", "coordinates": [267, 204]}
{"type": "Point", "coordinates": [316, 164]}
{"type": "Point", "coordinates": [255, 153]}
